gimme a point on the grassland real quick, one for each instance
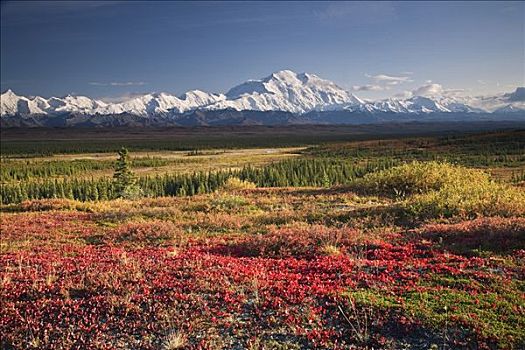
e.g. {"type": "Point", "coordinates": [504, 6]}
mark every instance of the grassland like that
{"type": "Point", "coordinates": [95, 165]}
{"type": "Point", "coordinates": [405, 243]}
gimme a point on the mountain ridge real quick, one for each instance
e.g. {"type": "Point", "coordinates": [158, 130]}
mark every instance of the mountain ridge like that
{"type": "Point", "coordinates": [283, 91]}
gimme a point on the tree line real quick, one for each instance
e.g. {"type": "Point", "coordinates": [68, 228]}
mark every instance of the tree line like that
{"type": "Point", "coordinates": [294, 173]}
{"type": "Point", "coordinates": [16, 170]}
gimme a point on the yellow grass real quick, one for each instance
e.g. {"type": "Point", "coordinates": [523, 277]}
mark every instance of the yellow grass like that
{"type": "Point", "coordinates": [183, 162]}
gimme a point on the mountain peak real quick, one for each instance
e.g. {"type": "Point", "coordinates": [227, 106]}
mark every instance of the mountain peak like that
{"type": "Point", "coordinates": [290, 76]}
{"type": "Point", "coordinates": [288, 91]}
{"type": "Point", "coordinates": [9, 92]}
{"type": "Point", "coordinates": [518, 95]}
{"type": "Point", "coordinates": [284, 74]}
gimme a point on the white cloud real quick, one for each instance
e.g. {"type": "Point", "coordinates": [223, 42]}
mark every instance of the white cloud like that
{"type": "Point", "coordinates": [368, 87]}
{"type": "Point", "coordinates": [434, 89]}
{"type": "Point", "coordinates": [454, 92]}
{"type": "Point", "coordinates": [404, 94]}
{"type": "Point", "coordinates": [385, 82]}
{"type": "Point", "coordinates": [125, 83]}
{"type": "Point", "coordinates": [122, 98]}
{"type": "Point", "coordinates": [429, 90]}
{"type": "Point", "coordinates": [389, 79]}
{"type": "Point", "coordinates": [395, 82]}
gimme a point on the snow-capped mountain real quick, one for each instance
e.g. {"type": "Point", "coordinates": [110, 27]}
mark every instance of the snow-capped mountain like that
{"type": "Point", "coordinates": [145, 105]}
{"type": "Point", "coordinates": [510, 102]}
{"type": "Point", "coordinates": [12, 104]}
{"type": "Point", "coordinates": [422, 104]}
{"type": "Point", "coordinates": [80, 104]}
{"type": "Point", "coordinates": [285, 91]}
{"type": "Point", "coordinates": [282, 91]}
{"type": "Point", "coordinates": [416, 104]}
{"type": "Point", "coordinates": [151, 104]}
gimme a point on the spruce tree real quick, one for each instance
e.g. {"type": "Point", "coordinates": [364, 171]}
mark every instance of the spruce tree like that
{"type": "Point", "coordinates": [125, 181]}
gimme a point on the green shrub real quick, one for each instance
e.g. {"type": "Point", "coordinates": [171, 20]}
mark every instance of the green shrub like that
{"type": "Point", "coordinates": [236, 184]}
{"type": "Point", "coordinates": [228, 203]}
{"type": "Point", "coordinates": [418, 177]}
{"type": "Point", "coordinates": [432, 190]}
{"type": "Point", "coordinates": [486, 198]}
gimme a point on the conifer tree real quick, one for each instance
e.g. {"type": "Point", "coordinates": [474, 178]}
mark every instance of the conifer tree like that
{"type": "Point", "coordinates": [125, 181]}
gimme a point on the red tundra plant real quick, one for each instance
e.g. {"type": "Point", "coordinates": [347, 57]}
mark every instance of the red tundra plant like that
{"type": "Point", "coordinates": [216, 222]}
{"type": "Point", "coordinates": [98, 297]}
{"type": "Point", "coordinates": [299, 242]}
{"type": "Point", "coordinates": [48, 204]}
{"type": "Point", "coordinates": [132, 289]}
{"type": "Point", "coordinates": [496, 234]}
{"type": "Point", "coordinates": [147, 233]}
{"type": "Point", "coordinates": [45, 228]}
{"type": "Point", "coordinates": [109, 297]}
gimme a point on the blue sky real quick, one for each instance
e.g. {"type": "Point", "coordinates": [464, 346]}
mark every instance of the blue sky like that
{"type": "Point", "coordinates": [377, 49]}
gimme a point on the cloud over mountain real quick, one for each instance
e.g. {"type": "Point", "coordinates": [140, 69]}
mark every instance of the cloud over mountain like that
{"type": "Point", "coordinates": [431, 89]}
{"type": "Point", "coordinates": [389, 79]}
{"type": "Point", "coordinates": [368, 87]}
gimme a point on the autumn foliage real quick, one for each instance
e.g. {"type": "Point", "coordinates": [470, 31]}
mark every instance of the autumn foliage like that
{"type": "Point", "coordinates": [212, 272]}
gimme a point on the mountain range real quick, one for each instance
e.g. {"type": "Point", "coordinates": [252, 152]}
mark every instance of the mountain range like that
{"type": "Point", "coordinates": [284, 97]}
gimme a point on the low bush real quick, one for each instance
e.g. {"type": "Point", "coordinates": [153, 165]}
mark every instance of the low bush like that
{"type": "Point", "coordinates": [147, 233]}
{"type": "Point", "coordinates": [236, 184]}
{"type": "Point", "coordinates": [46, 205]}
{"type": "Point", "coordinates": [296, 242]}
{"type": "Point", "coordinates": [497, 235]}
{"type": "Point", "coordinates": [473, 200]}
{"type": "Point", "coordinates": [432, 190]}
{"type": "Point", "coordinates": [417, 178]}
{"type": "Point", "coordinates": [54, 204]}
{"type": "Point", "coordinates": [228, 203]}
